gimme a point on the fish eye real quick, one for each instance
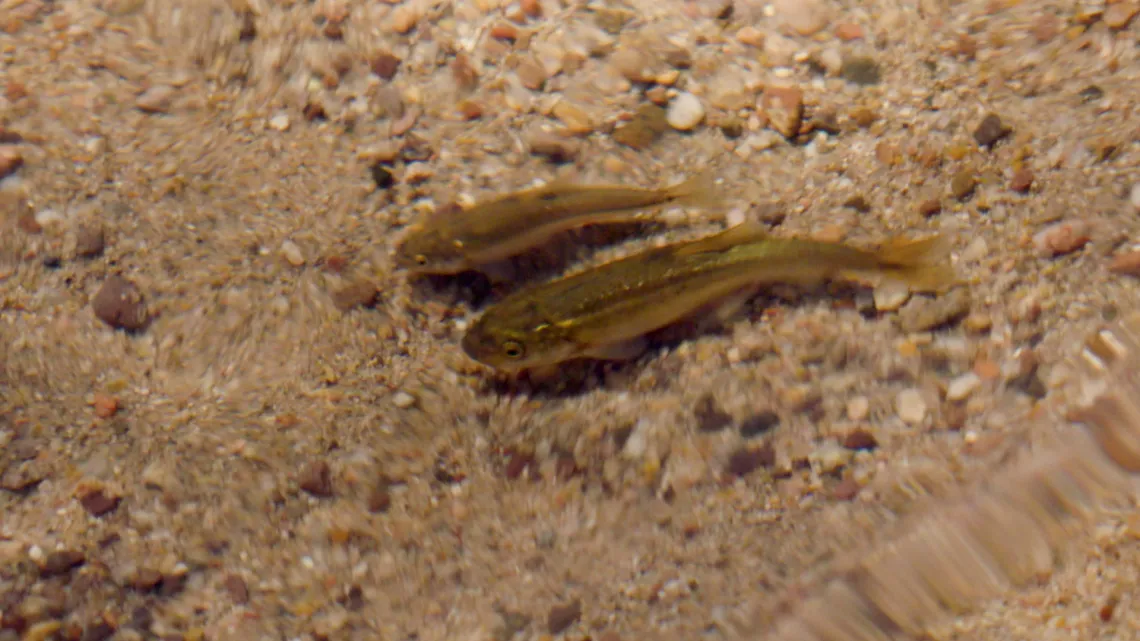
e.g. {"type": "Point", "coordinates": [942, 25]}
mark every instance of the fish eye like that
{"type": "Point", "coordinates": [420, 259]}
{"type": "Point", "coordinates": [513, 350]}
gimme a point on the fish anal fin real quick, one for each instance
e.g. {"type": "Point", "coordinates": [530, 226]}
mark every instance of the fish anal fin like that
{"type": "Point", "coordinates": [749, 231]}
{"type": "Point", "coordinates": [625, 350]}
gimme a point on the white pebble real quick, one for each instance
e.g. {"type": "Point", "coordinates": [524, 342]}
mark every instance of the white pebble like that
{"type": "Point", "coordinates": [858, 408]}
{"type": "Point", "coordinates": [960, 388]}
{"type": "Point", "coordinates": [910, 406]}
{"type": "Point", "coordinates": [1135, 197]}
{"type": "Point", "coordinates": [685, 111]}
{"type": "Point", "coordinates": [280, 122]}
{"type": "Point", "coordinates": [890, 295]}
{"type": "Point", "coordinates": [292, 253]}
{"type": "Point", "coordinates": [403, 400]}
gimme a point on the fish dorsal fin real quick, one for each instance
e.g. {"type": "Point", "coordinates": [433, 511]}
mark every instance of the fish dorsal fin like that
{"type": "Point", "coordinates": [749, 231]}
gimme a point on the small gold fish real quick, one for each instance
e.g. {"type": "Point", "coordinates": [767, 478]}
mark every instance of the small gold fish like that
{"type": "Point", "coordinates": [453, 240]}
{"type": "Point", "coordinates": [605, 312]}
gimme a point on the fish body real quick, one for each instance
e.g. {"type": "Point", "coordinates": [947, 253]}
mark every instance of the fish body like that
{"type": "Point", "coordinates": [455, 239]}
{"type": "Point", "coordinates": [605, 312]}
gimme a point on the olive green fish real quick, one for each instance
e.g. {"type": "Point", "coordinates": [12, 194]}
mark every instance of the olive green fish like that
{"type": "Point", "coordinates": [453, 239]}
{"type": "Point", "coordinates": [605, 312]}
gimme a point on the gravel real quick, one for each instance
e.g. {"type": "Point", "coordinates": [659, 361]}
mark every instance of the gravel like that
{"type": "Point", "coordinates": [208, 357]}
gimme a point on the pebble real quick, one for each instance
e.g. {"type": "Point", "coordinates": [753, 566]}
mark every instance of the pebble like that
{"type": "Point", "coordinates": [97, 501]}
{"type": "Point", "coordinates": [685, 111]}
{"type": "Point", "coordinates": [531, 74]}
{"type": "Point", "coordinates": [963, 185]}
{"type": "Point", "coordinates": [990, 130]}
{"type": "Point", "coordinates": [891, 295]}
{"type": "Point", "coordinates": [292, 253]}
{"type": "Point", "coordinates": [784, 107]}
{"type": "Point", "coordinates": [1126, 263]}
{"type": "Point", "coordinates": [563, 616]}
{"type": "Point", "coordinates": [554, 148]}
{"type": "Point", "coordinates": [924, 314]}
{"type": "Point", "coordinates": [404, 18]}
{"type": "Point", "coordinates": [751, 36]}
{"type": "Point", "coordinates": [236, 586]}
{"type": "Point", "coordinates": [10, 161]}
{"type": "Point", "coordinates": [860, 440]}
{"type": "Point", "coordinates": [646, 126]}
{"type": "Point", "coordinates": [848, 31]}
{"type": "Point", "coordinates": [576, 119]}
{"type": "Point", "coordinates": [1117, 16]}
{"type": "Point", "coordinates": [1062, 238]}
{"type": "Point", "coordinates": [316, 479]}
{"type": "Point", "coordinates": [385, 65]}
{"type": "Point", "coordinates": [929, 207]}
{"type": "Point", "coordinates": [1022, 180]}
{"type": "Point", "coordinates": [805, 17]}
{"type": "Point", "coordinates": [155, 100]}
{"type": "Point", "coordinates": [858, 408]}
{"type": "Point", "coordinates": [279, 122]}
{"type": "Point", "coordinates": [90, 241]}
{"type": "Point", "coordinates": [1134, 197]}
{"type": "Point", "coordinates": [119, 304]}
{"type": "Point", "coordinates": [960, 388]}
{"type": "Point", "coordinates": [403, 400]}
{"type": "Point", "coordinates": [830, 457]}
{"type": "Point", "coordinates": [748, 459]}
{"type": "Point", "coordinates": [910, 406]}
{"type": "Point", "coordinates": [861, 70]}
{"type": "Point", "coordinates": [62, 562]}
{"type": "Point", "coordinates": [759, 423]}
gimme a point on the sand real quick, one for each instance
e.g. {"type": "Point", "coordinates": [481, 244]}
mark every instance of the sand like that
{"type": "Point", "coordinates": [225, 415]}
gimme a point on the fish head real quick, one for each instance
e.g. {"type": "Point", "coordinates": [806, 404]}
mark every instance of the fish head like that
{"type": "Point", "coordinates": [431, 246]}
{"type": "Point", "coordinates": [506, 339]}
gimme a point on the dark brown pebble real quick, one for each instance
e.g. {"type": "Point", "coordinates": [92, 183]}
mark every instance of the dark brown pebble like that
{"type": "Point", "coordinates": [98, 502]}
{"type": "Point", "coordinates": [748, 459]}
{"type": "Point", "coordinates": [710, 417]}
{"type": "Point", "coordinates": [62, 562]}
{"type": "Point", "coordinates": [380, 498]}
{"type": "Point", "coordinates": [759, 423]}
{"type": "Point", "coordinates": [860, 440]}
{"type": "Point", "coordinates": [930, 207]}
{"type": "Point", "coordinates": [141, 619]}
{"type": "Point", "coordinates": [1091, 93]}
{"type": "Point", "coordinates": [91, 242]}
{"type": "Point", "coordinates": [172, 584]}
{"type": "Point", "coordinates": [1109, 608]}
{"type": "Point", "coordinates": [145, 579]}
{"type": "Point", "coordinates": [237, 588]}
{"type": "Point", "coordinates": [356, 293]}
{"type": "Point", "coordinates": [119, 304]}
{"type": "Point", "coordinates": [990, 130]}
{"type": "Point", "coordinates": [9, 137]}
{"type": "Point", "coordinates": [563, 616]}
{"type": "Point", "coordinates": [382, 176]}
{"type": "Point", "coordinates": [517, 463]}
{"type": "Point", "coordinates": [1022, 180]}
{"type": "Point", "coordinates": [354, 599]}
{"type": "Point", "coordinates": [316, 479]}
{"type": "Point", "coordinates": [858, 203]}
{"type": "Point", "coordinates": [314, 111]}
{"type": "Point", "coordinates": [646, 126]}
{"type": "Point", "coordinates": [98, 631]}
{"type": "Point", "coordinates": [385, 65]}
{"type": "Point", "coordinates": [860, 70]}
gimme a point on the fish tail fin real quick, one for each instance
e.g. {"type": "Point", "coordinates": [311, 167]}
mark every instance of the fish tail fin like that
{"type": "Point", "coordinates": [924, 265]}
{"type": "Point", "coordinates": [699, 190]}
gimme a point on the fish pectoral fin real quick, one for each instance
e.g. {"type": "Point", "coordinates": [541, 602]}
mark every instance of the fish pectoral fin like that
{"type": "Point", "coordinates": [626, 350]}
{"type": "Point", "coordinates": [924, 264]}
{"type": "Point", "coordinates": [749, 231]}
{"type": "Point", "coordinates": [698, 191]}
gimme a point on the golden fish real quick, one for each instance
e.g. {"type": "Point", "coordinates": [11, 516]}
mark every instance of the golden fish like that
{"type": "Point", "coordinates": [454, 240]}
{"type": "Point", "coordinates": [605, 312]}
